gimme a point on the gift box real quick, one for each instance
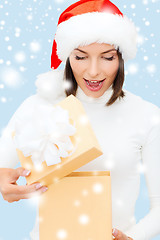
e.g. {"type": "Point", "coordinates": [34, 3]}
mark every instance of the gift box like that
{"type": "Point", "coordinates": [78, 207]}
{"type": "Point", "coordinates": [85, 144]}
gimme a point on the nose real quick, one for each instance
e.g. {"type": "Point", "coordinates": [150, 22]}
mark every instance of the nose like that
{"type": "Point", "coordinates": [93, 68]}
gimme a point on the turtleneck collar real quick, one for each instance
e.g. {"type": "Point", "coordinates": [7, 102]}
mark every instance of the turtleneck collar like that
{"type": "Point", "coordinates": [100, 100]}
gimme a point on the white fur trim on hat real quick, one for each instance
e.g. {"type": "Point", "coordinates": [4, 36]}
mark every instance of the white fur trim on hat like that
{"type": "Point", "coordinates": [50, 84]}
{"type": "Point", "coordinates": [98, 27]}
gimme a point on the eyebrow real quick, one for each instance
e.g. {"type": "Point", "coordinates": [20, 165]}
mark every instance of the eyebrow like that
{"type": "Point", "coordinates": [101, 53]}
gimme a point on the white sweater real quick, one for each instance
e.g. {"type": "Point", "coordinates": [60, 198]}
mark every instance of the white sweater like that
{"type": "Point", "coordinates": [129, 134]}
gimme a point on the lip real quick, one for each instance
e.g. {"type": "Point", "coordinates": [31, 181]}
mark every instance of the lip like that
{"type": "Point", "coordinates": [95, 89]}
{"type": "Point", "coordinates": [94, 80]}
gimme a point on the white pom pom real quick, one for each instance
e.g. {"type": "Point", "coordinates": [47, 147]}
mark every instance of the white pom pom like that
{"type": "Point", "coordinates": [50, 84]}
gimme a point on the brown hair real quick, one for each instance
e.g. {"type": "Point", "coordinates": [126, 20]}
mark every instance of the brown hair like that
{"type": "Point", "coordinates": [117, 84]}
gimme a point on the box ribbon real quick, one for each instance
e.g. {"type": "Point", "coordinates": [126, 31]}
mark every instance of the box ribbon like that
{"type": "Point", "coordinates": [44, 134]}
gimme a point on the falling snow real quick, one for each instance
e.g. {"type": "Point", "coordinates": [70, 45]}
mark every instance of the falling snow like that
{"type": "Point", "coordinates": [151, 68]}
{"type": "Point", "coordinates": [133, 68]}
{"type": "Point", "coordinates": [35, 46]}
{"type": "Point", "coordinates": [11, 77]}
{"type": "Point", "coordinates": [26, 36]}
{"type": "Point", "coordinates": [20, 57]}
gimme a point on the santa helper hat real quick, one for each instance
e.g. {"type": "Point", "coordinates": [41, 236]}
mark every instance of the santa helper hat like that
{"type": "Point", "coordinates": [83, 23]}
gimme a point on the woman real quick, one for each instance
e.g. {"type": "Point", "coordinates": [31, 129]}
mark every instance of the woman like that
{"type": "Point", "coordinates": [94, 39]}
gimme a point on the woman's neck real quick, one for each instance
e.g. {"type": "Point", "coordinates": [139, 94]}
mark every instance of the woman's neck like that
{"type": "Point", "coordinates": [100, 100]}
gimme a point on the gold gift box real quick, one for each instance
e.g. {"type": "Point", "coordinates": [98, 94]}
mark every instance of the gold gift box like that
{"type": "Point", "coordinates": [87, 147]}
{"type": "Point", "coordinates": [78, 207]}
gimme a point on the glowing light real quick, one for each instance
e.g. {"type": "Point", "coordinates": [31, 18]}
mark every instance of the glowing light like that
{"type": "Point", "coordinates": [20, 57]}
{"type": "Point", "coordinates": [34, 200]}
{"type": "Point", "coordinates": [98, 188]}
{"type": "Point", "coordinates": [141, 168]}
{"type": "Point", "coordinates": [84, 219]}
{"type": "Point", "coordinates": [77, 203]}
{"type": "Point", "coordinates": [119, 202]}
{"type": "Point", "coordinates": [151, 68]}
{"type": "Point", "coordinates": [8, 63]}
{"type": "Point", "coordinates": [9, 48]}
{"type": "Point", "coordinates": [85, 192]}
{"type": "Point", "coordinates": [67, 85]}
{"type": "Point", "coordinates": [83, 119]}
{"type": "Point", "coordinates": [62, 234]}
{"type": "Point", "coordinates": [3, 100]}
{"type": "Point", "coordinates": [145, 58]}
{"type": "Point", "coordinates": [11, 77]}
{"type": "Point", "coordinates": [35, 46]}
{"type": "Point", "coordinates": [147, 23]}
{"type": "Point", "coordinates": [59, 1]}
{"type": "Point", "coordinates": [133, 6]}
{"type": "Point", "coordinates": [6, 39]}
{"type": "Point", "coordinates": [22, 69]}
{"type": "Point", "coordinates": [133, 68]}
{"type": "Point", "coordinates": [29, 17]}
{"type": "Point", "coordinates": [2, 22]}
{"type": "Point", "coordinates": [17, 31]}
{"type": "Point", "coordinates": [145, 2]}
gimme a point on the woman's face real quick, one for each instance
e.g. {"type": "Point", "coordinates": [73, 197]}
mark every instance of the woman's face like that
{"type": "Point", "coordinates": [96, 62]}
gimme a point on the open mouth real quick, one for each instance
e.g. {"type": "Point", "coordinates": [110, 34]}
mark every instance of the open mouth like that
{"type": "Point", "coordinates": [94, 85]}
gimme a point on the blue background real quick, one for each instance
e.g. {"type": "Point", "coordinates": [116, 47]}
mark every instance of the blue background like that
{"type": "Point", "coordinates": [27, 30]}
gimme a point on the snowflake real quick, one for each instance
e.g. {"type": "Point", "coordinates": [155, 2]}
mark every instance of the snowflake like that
{"type": "Point", "coordinates": [2, 22]}
{"type": "Point", "coordinates": [10, 77]}
{"type": "Point", "coordinates": [145, 2]}
{"type": "Point", "coordinates": [133, 6]}
{"type": "Point", "coordinates": [35, 46]}
{"type": "Point", "coordinates": [20, 57]}
{"type": "Point", "coordinates": [145, 58]}
{"type": "Point", "coordinates": [9, 48]}
{"type": "Point", "coordinates": [77, 203]}
{"type": "Point", "coordinates": [8, 63]}
{"type": "Point", "coordinates": [22, 69]}
{"type": "Point", "coordinates": [62, 234]}
{"type": "Point", "coordinates": [97, 188]}
{"type": "Point", "coordinates": [140, 39]}
{"type": "Point", "coordinates": [133, 68]}
{"type": "Point", "coordinates": [151, 68]}
{"type": "Point", "coordinates": [84, 219]}
{"type": "Point", "coordinates": [141, 168]}
{"type": "Point", "coordinates": [29, 17]}
{"type": "Point", "coordinates": [3, 100]}
{"type": "Point", "coordinates": [59, 1]}
{"type": "Point", "coordinates": [147, 23]}
{"type": "Point", "coordinates": [6, 39]}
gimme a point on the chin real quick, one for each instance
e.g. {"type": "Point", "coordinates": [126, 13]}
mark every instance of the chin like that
{"type": "Point", "coordinates": [94, 94]}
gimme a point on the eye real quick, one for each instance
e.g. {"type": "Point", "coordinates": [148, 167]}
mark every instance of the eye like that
{"type": "Point", "coordinates": [79, 58]}
{"type": "Point", "coordinates": [109, 59]}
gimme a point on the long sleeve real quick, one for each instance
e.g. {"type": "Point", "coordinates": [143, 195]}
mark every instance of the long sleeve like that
{"type": "Point", "coordinates": [8, 155]}
{"type": "Point", "coordinates": [149, 226]}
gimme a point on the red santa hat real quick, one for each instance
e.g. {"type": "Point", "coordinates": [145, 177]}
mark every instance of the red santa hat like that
{"type": "Point", "coordinates": [83, 23]}
{"type": "Point", "coordinates": [89, 21]}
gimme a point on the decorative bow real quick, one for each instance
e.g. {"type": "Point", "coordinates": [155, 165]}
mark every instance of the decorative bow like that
{"type": "Point", "coordinates": [43, 134]}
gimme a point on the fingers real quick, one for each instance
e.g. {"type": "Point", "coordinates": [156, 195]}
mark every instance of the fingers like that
{"type": "Point", "coordinates": [15, 192]}
{"type": "Point", "coordinates": [21, 172]}
{"type": "Point", "coordinates": [119, 235]}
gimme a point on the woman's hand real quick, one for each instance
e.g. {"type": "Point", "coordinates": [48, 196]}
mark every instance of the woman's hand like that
{"type": "Point", "coordinates": [119, 235]}
{"type": "Point", "coordinates": [12, 192]}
